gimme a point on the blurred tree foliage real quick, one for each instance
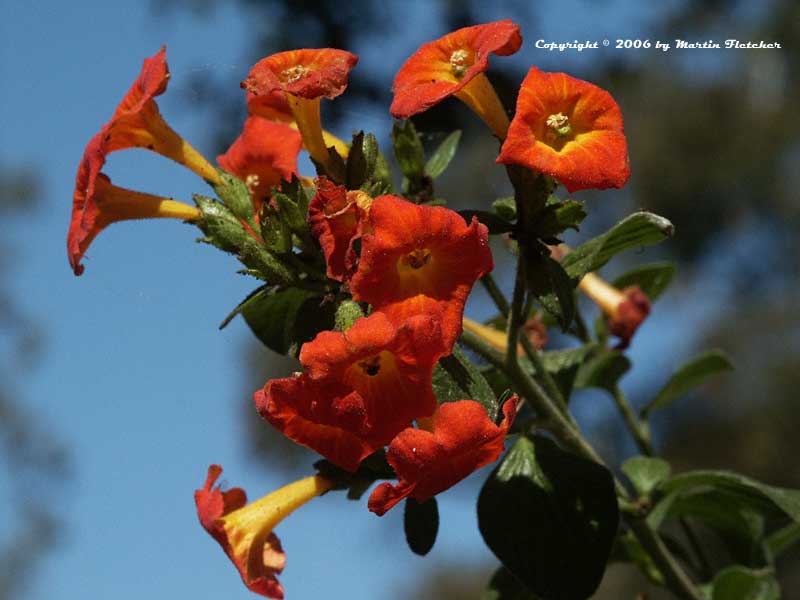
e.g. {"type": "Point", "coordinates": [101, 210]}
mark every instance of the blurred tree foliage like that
{"type": "Point", "coordinates": [714, 142]}
{"type": "Point", "coordinates": [33, 462]}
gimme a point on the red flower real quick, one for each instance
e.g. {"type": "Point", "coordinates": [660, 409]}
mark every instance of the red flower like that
{"type": "Point", "coordinates": [245, 530]}
{"type": "Point", "coordinates": [427, 463]}
{"type": "Point", "coordinates": [569, 129]}
{"type": "Point", "coordinates": [96, 204]}
{"type": "Point", "coordinates": [305, 76]}
{"type": "Point", "coordinates": [137, 122]}
{"type": "Point", "coordinates": [420, 260]}
{"type": "Point", "coordinates": [625, 309]}
{"type": "Point", "coordinates": [263, 155]}
{"type": "Point", "coordinates": [454, 65]}
{"type": "Point", "coordinates": [272, 106]}
{"type": "Point", "coordinates": [336, 217]}
{"type": "Point", "coordinates": [359, 389]}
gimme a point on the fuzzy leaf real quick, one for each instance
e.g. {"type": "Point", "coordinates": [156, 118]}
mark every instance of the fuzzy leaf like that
{"type": "Point", "coordinates": [638, 230]}
{"type": "Point", "coordinates": [421, 524]}
{"type": "Point", "coordinates": [442, 156]}
{"type": "Point", "coordinates": [646, 472]}
{"type": "Point", "coordinates": [652, 279]}
{"type": "Point", "coordinates": [741, 583]}
{"type": "Point", "coordinates": [689, 376]}
{"type": "Point", "coordinates": [408, 149]}
{"type": "Point", "coordinates": [455, 378]}
{"type": "Point", "coordinates": [551, 518]}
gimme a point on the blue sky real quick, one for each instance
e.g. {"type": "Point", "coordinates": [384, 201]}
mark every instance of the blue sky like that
{"type": "Point", "coordinates": [137, 380]}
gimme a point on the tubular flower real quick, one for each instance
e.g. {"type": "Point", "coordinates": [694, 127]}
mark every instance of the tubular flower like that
{"type": "Point", "coordinates": [533, 328]}
{"type": "Point", "coordinates": [275, 107]}
{"type": "Point", "coordinates": [96, 204]}
{"type": "Point", "coordinates": [568, 129]}
{"type": "Point", "coordinates": [626, 309]}
{"type": "Point", "coordinates": [305, 76]}
{"type": "Point", "coordinates": [454, 65]}
{"type": "Point", "coordinates": [420, 260]}
{"type": "Point", "coordinates": [360, 387]}
{"type": "Point", "coordinates": [263, 155]}
{"type": "Point", "coordinates": [245, 530]}
{"type": "Point", "coordinates": [463, 440]}
{"type": "Point", "coordinates": [137, 122]}
{"type": "Point", "coordinates": [336, 217]}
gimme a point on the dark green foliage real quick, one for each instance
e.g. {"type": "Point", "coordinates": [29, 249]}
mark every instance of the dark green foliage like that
{"type": "Point", "coordinates": [551, 518]}
{"type": "Point", "coordinates": [421, 524]}
{"type": "Point", "coordinates": [456, 378]}
{"type": "Point", "coordinates": [689, 376]}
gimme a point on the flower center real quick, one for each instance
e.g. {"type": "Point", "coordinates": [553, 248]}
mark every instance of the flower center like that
{"type": "Point", "coordinates": [294, 73]}
{"type": "Point", "coordinates": [559, 124]}
{"type": "Point", "coordinates": [252, 181]}
{"type": "Point", "coordinates": [371, 366]}
{"type": "Point", "coordinates": [458, 62]}
{"type": "Point", "coordinates": [417, 259]}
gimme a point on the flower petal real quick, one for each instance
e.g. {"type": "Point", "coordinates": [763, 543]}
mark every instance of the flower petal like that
{"type": "Point", "coordinates": [569, 129]}
{"type": "Point", "coordinates": [420, 260]}
{"type": "Point", "coordinates": [434, 72]}
{"type": "Point", "coordinates": [463, 440]}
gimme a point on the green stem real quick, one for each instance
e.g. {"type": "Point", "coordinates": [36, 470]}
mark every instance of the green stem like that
{"type": "Point", "coordinates": [676, 578]}
{"type": "Point", "coordinates": [640, 434]}
{"type": "Point", "coordinates": [496, 294]}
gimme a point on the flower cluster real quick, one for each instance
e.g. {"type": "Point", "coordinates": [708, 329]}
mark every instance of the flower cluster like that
{"type": "Point", "coordinates": [402, 267]}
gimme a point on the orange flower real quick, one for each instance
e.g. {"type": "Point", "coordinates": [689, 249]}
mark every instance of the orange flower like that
{"type": "Point", "coordinates": [360, 387]}
{"type": "Point", "coordinates": [420, 260]}
{"type": "Point", "coordinates": [96, 204]}
{"type": "Point", "coordinates": [245, 530]}
{"type": "Point", "coordinates": [272, 106]}
{"type": "Point", "coordinates": [626, 309]}
{"type": "Point", "coordinates": [305, 76]}
{"type": "Point", "coordinates": [263, 155]}
{"type": "Point", "coordinates": [427, 463]}
{"type": "Point", "coordinates": [137, 122]}
{"type": "Point", "coordinates": [336, 217]}
{"type": "Point", "coordinates": [275, 107]}
{"type": "Point", "coordinates": [569, 129]}
{"type": "Point", "coordinates": [453, 66]}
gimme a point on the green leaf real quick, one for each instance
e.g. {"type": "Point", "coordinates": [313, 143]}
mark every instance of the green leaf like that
{"type": "Point", "coordinates": [783, 539]}
{"type": "Point", "coordinates": [549, 283]}
{"type": "Point", "coordinates": [421, 524]}
{"type": "Point", "coordinates": [627, 548]}
{"type": "Point", "coordinates": [564, 365]}
{"type": "Point", "coordinates": [689, 376]}
{"type": "Point", "coordinates": [557, 216]}
{"type": "Point", "coordinates": [357, 166]}
{"type": "Point", "coordinates": [290, 213]}
{"type": "Point", "coordinates": [226, 232]}
{"type": "Point", "coordinates": [638, 230]}
{"type": "Point", "coordinates": [456, 378]}
{"type": "Point", "coordinates": [603, 371]}
{"type": "Point", "coordinates": [505, 208]}
{"type": "Point", "coordinates": [347, 313]}
{"type": "Point", "coordinates": [551, 518]}
{"type": "Point", "coordinates": [646, 472]}
{"type": "Point", "coordinates": [764, 498]}
{"type": "Point", "coordinates": [275, 231]}
{"type": "Point", "coordinates": [234, 194]}
{"type": "Point", "coordinates": [504, 586]}
{"type": "Point", "coordinates": [408, 149]}
{"type": "Point", "coordinates": [652, 279]}
{"type": "Point", "coordinates": [442, 156]}
{"type": "Point", "coordinates": [494, 223]}
{"type": "Point", "coordinates": [284, 319]}
{"type": "Point", "coordinates": [741, 583]}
